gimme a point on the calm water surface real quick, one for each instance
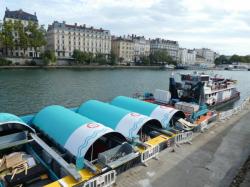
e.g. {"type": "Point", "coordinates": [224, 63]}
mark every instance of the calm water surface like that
{"type": "Point", "coordinates": [25, 91]}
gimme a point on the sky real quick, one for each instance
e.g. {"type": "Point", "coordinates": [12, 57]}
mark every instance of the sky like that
{"type": "Point", "coordinates": [222, 25]}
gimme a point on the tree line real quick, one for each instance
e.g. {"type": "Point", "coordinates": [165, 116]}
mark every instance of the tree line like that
{"type": "Point", "coordinates": [229, 60]}
{"type": "Point", "coordinates": [158, 57]}
{"type": "Point", "coordinates": [17, 35]}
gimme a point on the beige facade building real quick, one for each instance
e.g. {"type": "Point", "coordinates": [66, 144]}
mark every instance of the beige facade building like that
{"type": "Point", "coordinates": [172, 47]}
{"type": "Point", "coordinates": [64, 39]}
{"type": "Point", "coordinates": [124, 49]}
{"type": "Point", "coordinates": [142, 46]}
{"type": "Point", "coordinates": [25, 18]}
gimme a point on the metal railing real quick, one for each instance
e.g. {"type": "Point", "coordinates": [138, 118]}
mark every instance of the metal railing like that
{"type": "Point", "coordinates": [228, 114]}
{"type": "Point", "coordinates": [150, 153]}
{"type": "Point", "coordinates": [104, 180]}
{"type": "Point", "coordinates": [184, 137]}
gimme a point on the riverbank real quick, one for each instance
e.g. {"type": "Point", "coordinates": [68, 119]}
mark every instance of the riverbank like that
{"type": "Point", "coordinates": [214, 158]}
{"type": "Point", "coordinates": [81, 67]}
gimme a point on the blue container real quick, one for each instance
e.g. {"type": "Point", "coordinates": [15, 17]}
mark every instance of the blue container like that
{"type": "Point", "coordinates": [162, 113]}
{"type": "Point", "coordinates": [121, 120]}
{"type": "Point", "coordinates": [72, 131]}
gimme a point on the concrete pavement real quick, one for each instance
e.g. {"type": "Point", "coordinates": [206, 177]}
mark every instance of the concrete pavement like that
{"type": "Point", "coordinates": [213, 159]}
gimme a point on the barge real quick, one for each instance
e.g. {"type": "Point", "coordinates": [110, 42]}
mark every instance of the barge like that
{"type": "Point", "coordinates": [86, 146]}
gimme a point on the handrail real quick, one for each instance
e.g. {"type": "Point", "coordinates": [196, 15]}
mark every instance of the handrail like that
{"type": "Point", "coordinates": [227, 114]}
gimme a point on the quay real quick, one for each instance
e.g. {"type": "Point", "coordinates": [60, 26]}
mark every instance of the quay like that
{"type": "Point", "coordinates": [213, 159]}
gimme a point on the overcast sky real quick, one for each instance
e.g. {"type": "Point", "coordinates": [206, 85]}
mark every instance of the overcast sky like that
{"type": "Point", "coordinates": [222, 25]}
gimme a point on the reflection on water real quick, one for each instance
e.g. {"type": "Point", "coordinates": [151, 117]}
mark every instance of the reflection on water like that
{"type": "Point", "coordinates": [26, 91]}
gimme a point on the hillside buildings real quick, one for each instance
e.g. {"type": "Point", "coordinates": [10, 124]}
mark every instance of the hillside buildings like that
{"type": "Point", "coordinates": [171, 47]}
{"type": "Point", "coordinates": [187, 56]}
{"type": "Point", "coordinates": [208, 55]}
{"type": "Point", "coordinates": [65, 38]}
{"type": "Point", "coordinates": [124, 49]}
{"type": "Point", "coordinates": [25, 18]}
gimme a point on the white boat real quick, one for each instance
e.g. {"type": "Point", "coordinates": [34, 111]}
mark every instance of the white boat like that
{"type": "Point", "coordinates": [202, 88]}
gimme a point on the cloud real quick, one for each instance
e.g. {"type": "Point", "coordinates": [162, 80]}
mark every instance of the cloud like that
{"type": "Point", "coordinates": [223, 25]}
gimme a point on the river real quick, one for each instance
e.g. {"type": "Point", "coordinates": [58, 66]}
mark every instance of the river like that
{"type": "Point", "coordinates": [25, 91]}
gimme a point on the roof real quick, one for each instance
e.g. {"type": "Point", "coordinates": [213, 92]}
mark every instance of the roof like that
{"type": "Point", "coordinates": [162, 113]}
{"type": "Point", "coordinates": [20, 14]}
{"type": "Point", "coordinates": [124, 121]}
{"type": "Point", "coordinates": [63, 25]}
{"type": "Point", "coordinates": [72, 131]}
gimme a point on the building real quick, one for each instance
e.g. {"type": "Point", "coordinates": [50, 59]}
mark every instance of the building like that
{"type": "Point", "coordinates": [64, 39]}
{"type": "Point", "coordinates": [141, 48]}
{"type": "Point", "coordinates": [187, 56]}
{"type": "Point", "coordinates": [25, 18]}
{"type": "Point", "coordinates": [172, 47]}
{"type": "Point", "coordinates": [124, 49]}
{"type": "Point", "coordinates": [208, 54]}
{"type": "Point", "coordinates": [200, 60]}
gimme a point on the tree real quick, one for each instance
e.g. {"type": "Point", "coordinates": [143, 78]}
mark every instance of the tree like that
{"type": "Point", "coordinates": [100, 59]}
{"type": "Point", "coordinates": [36, 36]}
{"type": "Point", "coordinates": [236, 58]}
{"type": "Point", "coordinates": [6, 36]}
{"type": "Point", "coordinates": [113, 58]}
{"type": "Point", "coordinates": [162, 57]}
{"type": "Point", "coordinates": [145, 60]}
{"type": "Point", "coordinates": [221, 60]}
{"type": "Point", "coordinates": [23, 39]}
{"type": "Point", "coordinates": [78, 56]}
{"type": "Point", "coordinates": [48, 57]}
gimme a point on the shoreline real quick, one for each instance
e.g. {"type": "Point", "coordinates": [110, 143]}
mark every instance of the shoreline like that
{"type": "Point", "coordinates": [81, 67]}
{"type": "Point", "coordinates": [96, 67]}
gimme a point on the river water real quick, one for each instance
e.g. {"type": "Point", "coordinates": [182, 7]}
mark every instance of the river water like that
{"type": "Point", "coordinates": [25, 91]}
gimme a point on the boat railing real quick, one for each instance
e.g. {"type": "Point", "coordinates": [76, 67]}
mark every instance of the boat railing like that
{"type": "Point", "coordinates": [228, 114]}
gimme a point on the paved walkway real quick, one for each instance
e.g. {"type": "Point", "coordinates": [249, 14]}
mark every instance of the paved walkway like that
{"type": "Point", "coordinates": [213, 159]}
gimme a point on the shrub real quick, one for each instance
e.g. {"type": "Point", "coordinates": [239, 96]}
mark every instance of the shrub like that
{"type": "Point", "coordinates": [4, 62]}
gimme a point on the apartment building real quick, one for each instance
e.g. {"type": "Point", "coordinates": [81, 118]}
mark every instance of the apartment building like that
{"type": "Point", "coordinates": [187, 56]}
{"type": "Point", "coordinates": [172, 47]}
{"type": "Point", "coordinates": [142, 46]}
{"type": "Point", "coordinates": [65, 38]}
{"type": "Point", "coordinates": [208, 54]}
{"type": "Point", "coordinates": [124, 49]}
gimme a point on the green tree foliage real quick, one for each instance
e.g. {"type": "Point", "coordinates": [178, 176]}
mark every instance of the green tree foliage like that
{"type": "Point", "coordinates": [235, 58]}
{"type": "Point", "coordinates": [16, 34]}
{"type": "Point", "coordinates": [48, 57]}
{"type": "Point", "coordinates": [36, 36]}
{"type": "Point", "coordinates": [6, 36]}
{"type": "Point", "coordinates": [145, 60]}
{"type": "Point", "coordinates": [222, 60]}
{"type": "Point", "coordinates": [82, 57]}
{"type": "Point", "coordinates": [100, 59]}
{"type": "Point", "coordinates": [23, 40]}
{"type": "Point", "coordinates": [113, 58]}
{"type": "Point", "coordinates": [4, 62]}
{"type": "Point", "coordinates": [162, 57]}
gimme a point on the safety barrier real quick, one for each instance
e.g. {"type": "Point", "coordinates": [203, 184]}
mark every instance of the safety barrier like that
{"type": "Point", "coordinates": [227, 114]}
{"type": "Point", "coordinates": [150, 153]}
{"type": "Point", "coordinates": [184, 137]}
{"type": "Point", "coordinates": [104, 180]}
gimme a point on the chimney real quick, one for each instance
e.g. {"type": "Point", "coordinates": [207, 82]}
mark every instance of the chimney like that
{"type": "Point", "coordinates": [35, 13]}
{"type": "Point", "coordinates": [75, 24]}
{"type": "Point", "coordinates": [84, 25]}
